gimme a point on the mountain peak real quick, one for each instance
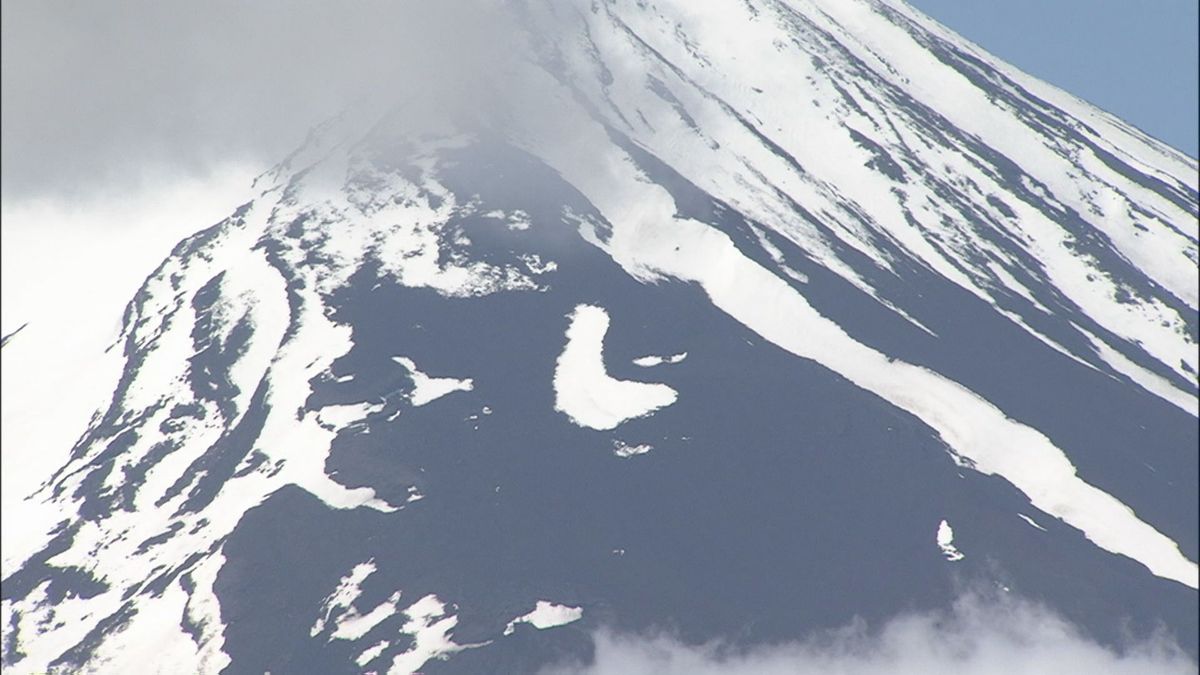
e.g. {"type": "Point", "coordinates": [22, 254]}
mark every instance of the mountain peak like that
{"type": "Point", "coordinates": [369, 419]}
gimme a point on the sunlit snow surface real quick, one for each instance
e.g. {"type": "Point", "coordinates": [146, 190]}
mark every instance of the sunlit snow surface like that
{"type": "Point", "coordinates": [426, 624]}
{"type": "Point", "coordinates": [945, 542]}
{"type": "Point", "coordinates": [545, 615]}
{"type": "Point", "coordinates": [623, 449]}
{"type": "Point", "coordinates": [651, 360]}
{"type": "Point", "coordinates": [584, 390]}
{"type": "Point", "coordinates": [426, 388]}
{"type": "Point", "coordinates": [413, 384]}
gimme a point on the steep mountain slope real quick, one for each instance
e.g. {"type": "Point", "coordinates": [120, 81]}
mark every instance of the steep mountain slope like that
{"type": "Point", "coordinates": [921, 323]}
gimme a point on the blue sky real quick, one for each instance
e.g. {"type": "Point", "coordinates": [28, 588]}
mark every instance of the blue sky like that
{"type": "Point", "coordinates": [1134, 58]}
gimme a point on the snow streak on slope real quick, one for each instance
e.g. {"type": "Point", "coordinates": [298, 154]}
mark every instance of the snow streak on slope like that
{"type": "Point", "coordinates": [209, 418]}
{"type": "Point", "coordinates": [850, 137]}
{"type": "Point", "coordinates": [872, 146]}
{"type": "Point", "coordinates": [777, 172]}
{"type": "Point", "coordinates": [650, 240]}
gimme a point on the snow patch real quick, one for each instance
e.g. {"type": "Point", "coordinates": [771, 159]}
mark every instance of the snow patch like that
{"type": "Point", "coordinates": [546, 615]}
{"type": "Point", "coordinates": [519, 220]}
{"type": "Point", "coordinates": [1030, 521]}
{"type": "Point", "coordinates": [353, 625]}
{"type": "Point", "coordinates": [426, 388]}
{"type": "Point", "coordinates": [340, 416]}
{"type": "Point", "coordinates": [623, 450]}
{"type": "Point", "coordinates": [536, 265]}
{"type": "Point", "coordinates": [430, 628]}
{"type": "Point", "coordinates": [945, 541]}
{"type": "Point", "coordinates": [371, 653]}
{"type": "Point", "coordinates": [649, 361]}
{"type": "Point", "coordinates": [343, 597]}
{"type": "Point", "coordinates": [583, 389]}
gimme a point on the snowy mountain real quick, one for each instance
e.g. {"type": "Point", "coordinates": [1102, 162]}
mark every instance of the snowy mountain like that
{"type": "Point", "coordinates": [741, 319]}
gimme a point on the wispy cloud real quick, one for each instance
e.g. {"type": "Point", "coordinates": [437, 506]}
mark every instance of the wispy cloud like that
{"type": "Point", "coordinates": [98, 96]}
{"type": "Point", "coordinates": [977, 636]}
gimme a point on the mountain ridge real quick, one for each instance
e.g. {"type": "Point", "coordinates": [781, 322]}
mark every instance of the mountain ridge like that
{"type": "Point", "coordinates": [1025, 319]}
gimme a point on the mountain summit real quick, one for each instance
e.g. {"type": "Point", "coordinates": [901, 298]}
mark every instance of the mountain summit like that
{"type": "Point", "coordinates": [737, 319]}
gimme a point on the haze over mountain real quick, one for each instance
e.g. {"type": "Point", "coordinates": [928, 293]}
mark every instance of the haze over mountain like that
{"type": "Point", "coordinates": [655, 335]}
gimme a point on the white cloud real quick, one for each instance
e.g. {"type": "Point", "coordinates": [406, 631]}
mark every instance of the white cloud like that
{"type": "Point", "coordinates": [69, 267]}
{"type": "Point", "coordinates": [974, 637]}
{"type": "Point", "coordinates": [96, 97]}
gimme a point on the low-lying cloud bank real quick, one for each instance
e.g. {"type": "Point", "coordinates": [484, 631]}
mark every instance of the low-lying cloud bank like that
{"type": "Point", "coordinates": [975, 637]}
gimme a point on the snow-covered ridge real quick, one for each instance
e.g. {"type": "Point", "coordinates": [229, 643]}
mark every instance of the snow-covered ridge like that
{"type": "Point", "coordinates": [220, 347]}
{"type": "Point", "coordinates": [651, 241]}
{"type": "Point", "coordinates": [945, 222]}
{"type": "Point", "coordinates": [1034, 213]}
